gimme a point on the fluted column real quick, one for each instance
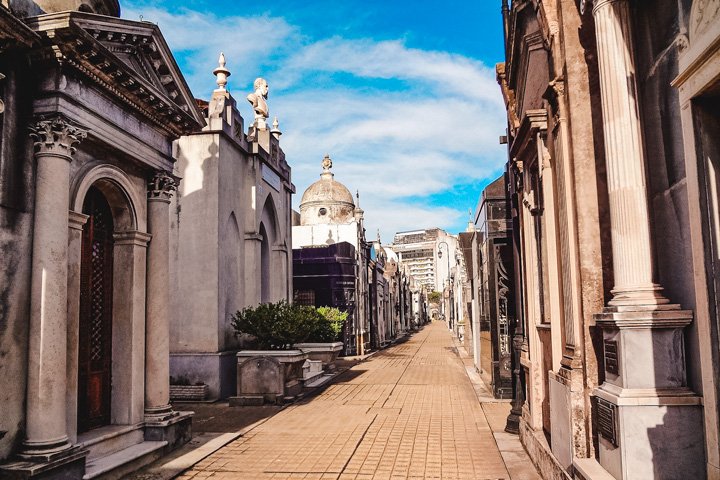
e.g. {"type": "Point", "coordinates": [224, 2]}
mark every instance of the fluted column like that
{"type": "Point", "coordinates": [629, 219]}
{"type": "Point", "coordinates": [643, 340]}
{"type": "Point", "coordinates": [46, 428]}
{"type": "Point", "coordinates": [157, 348]}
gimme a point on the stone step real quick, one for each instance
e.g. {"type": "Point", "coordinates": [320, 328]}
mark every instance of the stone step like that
{"type": "Point", "coordinates": [119, 464]}
{"type": "Point", "coordinates": [319, 381]}
{"type": "Point", "coordinates": [104, 441]}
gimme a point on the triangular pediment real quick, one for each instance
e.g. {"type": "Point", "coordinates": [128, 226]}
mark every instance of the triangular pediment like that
{"type": "Point", "coordinates": [127, 57]}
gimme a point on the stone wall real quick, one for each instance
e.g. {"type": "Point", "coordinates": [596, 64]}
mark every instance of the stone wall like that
{"type": "Point", "coordinates": [16, 219]}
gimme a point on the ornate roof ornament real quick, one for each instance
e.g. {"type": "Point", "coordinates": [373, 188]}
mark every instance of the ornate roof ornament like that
{"type": "Point", "coordinates": [221, 73]}
{"type": "Point", "coordinates": [326, 163]}
{"type": "Point", "coordinates": [276, 128]}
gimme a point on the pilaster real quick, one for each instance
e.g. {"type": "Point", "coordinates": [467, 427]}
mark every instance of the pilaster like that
{"type": "Point", "coordinates": [76, 222]}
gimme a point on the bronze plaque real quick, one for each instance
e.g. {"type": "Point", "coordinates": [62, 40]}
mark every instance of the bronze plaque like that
{"type": "Point", "coordinates": [611, 357]}
{"type": "Point", "coordinates": [606, 420]}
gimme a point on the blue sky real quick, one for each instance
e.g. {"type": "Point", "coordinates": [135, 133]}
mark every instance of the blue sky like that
{"type": "Point", "coordinates": [401, 94]}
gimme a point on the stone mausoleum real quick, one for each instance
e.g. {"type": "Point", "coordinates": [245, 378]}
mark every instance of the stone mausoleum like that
{"type": "Point", "coordinates": [90, 106]}
{"type": "Point", "coordinates": [329, 216]}
{"type": "Point", "coordinates": [231, 232]}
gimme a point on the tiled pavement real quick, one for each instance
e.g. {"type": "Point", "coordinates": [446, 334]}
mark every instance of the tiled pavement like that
{"type": "Point", "coordinates": [407, 412]}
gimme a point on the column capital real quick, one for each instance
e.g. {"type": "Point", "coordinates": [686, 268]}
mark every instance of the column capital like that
{"type": "Point", "coordinates": [55, 136]}
{"type": "Point", "coordinates": [161, 187]}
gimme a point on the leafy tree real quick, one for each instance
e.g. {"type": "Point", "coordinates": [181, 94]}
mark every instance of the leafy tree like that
{"type": "Point", "coordinates": [434, 297]}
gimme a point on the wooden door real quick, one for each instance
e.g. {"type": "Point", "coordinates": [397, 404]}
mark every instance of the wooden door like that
{"type": "Point", "coordinates": [95, 336]}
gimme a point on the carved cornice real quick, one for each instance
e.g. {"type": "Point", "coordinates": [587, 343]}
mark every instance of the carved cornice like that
{"type": "Point", "coordinates": [54, 136]}
{"type": "Point", "coordinates": [161, 187]}
{"type": "Point", "coordinates": [532, 122]}
{"type": "Point", "coordinates": [14, 33]}
{"type": "Point", "coordinates": [151, 85]}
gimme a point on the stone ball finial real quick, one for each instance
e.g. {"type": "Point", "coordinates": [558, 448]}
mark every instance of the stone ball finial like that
{"type": "Point", "coordinates": [221, 73]}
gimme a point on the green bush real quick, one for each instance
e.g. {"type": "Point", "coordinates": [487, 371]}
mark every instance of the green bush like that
{"type": "Point", "coordinates": [278, 326]}
{"type": "Point", "coordinates": [333, 327]}
{"type": "Point", "coordinates": [434, 297]}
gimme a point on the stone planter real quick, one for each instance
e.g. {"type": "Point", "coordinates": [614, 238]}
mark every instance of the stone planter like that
{"type": "Point", "coordinates": [268, 376]}
{"type": "Point", "coordinates": [189, 393]}
{"type": "Point", "coordinates": [327, 353]}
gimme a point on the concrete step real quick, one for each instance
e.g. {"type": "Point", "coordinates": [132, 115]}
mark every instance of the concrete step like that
{"type": "Point", "coordinates": [104, 441]}
{"type": "Point", "coordinates": [119, 464]}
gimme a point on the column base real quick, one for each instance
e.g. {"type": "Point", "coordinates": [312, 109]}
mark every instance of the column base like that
{"type": "Point", "coordinates": [63, 465]}
{"type": "Point", "coordinates": [159, 414]}
{"type": "Point", "coordinates": [176, 430]}
{"type": "Point", "coordinates": [643, 296]}
{"type": "Point", "coordinates": [657, 433]}
{"type": "Point", "coordinates": [45, 451]}
{"type": "Point", "coordinates": [649, 423]}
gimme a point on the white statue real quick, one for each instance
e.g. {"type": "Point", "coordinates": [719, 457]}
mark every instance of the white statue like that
{"type": "Point", "coordinates": [258, 100]}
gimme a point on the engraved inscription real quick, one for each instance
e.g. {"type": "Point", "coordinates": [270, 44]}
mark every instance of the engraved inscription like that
{"type": "Point", "coordinates": [611, 357]}
{"type": "Point", "coordinates": [606, 421]}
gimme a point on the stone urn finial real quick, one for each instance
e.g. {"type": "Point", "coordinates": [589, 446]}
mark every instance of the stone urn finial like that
{"type": "Point", "coordinates": [276, 128]}
{"type": "Point", "coordinates": [221, 73]}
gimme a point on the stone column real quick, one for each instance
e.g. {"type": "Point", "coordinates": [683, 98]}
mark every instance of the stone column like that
{"type": "Point", "coordinates": [648, 420]}
{"type": "Point", "coordinates": [46, 428]}
{"type": "Point", "coordinates": [631, 244]}
{"type": "Point", "coordinates": [157, 348]}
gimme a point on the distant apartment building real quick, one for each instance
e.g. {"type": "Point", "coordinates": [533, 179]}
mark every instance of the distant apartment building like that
{"type": "Point", "coordinates": [416, 250]}
{"type": "Point", "coordinates": [428, 254]}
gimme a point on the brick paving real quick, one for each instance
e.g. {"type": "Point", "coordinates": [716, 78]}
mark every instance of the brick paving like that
{"type": "Point", "coordinates": [408, 412]}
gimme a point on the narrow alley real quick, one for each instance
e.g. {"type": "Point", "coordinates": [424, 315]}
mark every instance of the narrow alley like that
{"type": "Point", "coordinates": [410, 411]}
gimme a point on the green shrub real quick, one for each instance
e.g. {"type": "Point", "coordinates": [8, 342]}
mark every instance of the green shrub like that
{"type": "Point", "coordinates": [278, 326]}
{"type": "Point", "coordinates": [434, 297]}
{"type": "Point", "coordinates": [331, 330]}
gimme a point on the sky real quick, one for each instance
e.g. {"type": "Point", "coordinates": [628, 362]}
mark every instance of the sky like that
{"type": "Point", "coordinates": [401, 94]}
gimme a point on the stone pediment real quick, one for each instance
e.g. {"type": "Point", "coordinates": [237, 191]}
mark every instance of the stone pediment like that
{"type": "Point", "coordinates": [127, 58]}
{"type": "Point", "coordinates": [13, 32]}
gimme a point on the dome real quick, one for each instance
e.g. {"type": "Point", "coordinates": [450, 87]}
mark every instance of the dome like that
{"type": "Point", "coordinates": [327, 200]}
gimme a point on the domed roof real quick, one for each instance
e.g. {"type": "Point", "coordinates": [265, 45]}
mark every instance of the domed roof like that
{"type": "Point", "coordinates": [327, 190]}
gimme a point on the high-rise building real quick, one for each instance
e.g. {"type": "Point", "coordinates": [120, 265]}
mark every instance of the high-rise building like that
{"type": "Point", "coordinates": [423, 252]}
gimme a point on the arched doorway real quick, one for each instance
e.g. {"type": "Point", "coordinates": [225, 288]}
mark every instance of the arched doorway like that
{"type": "Point", "coordinates": [96, 295]}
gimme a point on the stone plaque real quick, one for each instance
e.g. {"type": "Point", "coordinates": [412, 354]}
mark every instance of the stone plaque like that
{"type": "Point", "coordinates": [606, 420]}
{"type": "Point", "coordinates": [272, 178]}
{"type": "Point", "coordinates": [611, 357]}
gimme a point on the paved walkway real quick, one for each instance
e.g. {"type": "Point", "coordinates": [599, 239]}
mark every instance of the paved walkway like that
{"type": "Point", "coordinates": [407, 412]}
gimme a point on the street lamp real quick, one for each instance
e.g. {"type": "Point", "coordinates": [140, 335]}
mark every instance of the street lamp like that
{"type": "Point", "coordinates": [447, 248]}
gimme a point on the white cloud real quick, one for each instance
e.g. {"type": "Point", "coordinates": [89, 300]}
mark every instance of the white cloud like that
{"type": "Point", "coordinates": [199, 37]}
{"type": "Point", "coordinates": [435, 125]}
{"type": "Point", "coordinates": [452, 74]}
